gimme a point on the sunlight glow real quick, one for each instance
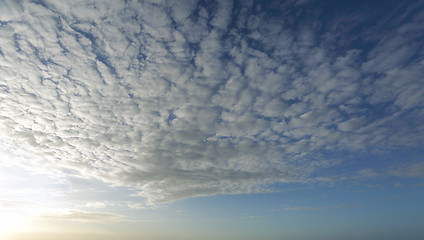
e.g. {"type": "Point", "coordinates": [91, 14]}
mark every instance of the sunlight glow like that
{"type": "Point", "coordinates": [12, 222]}
{"type": "Point", "coordinates": [24, 197]}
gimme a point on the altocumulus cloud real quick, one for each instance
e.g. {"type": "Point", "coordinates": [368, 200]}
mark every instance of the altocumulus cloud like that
{"type": "Point", "coordinates": [190, 98]}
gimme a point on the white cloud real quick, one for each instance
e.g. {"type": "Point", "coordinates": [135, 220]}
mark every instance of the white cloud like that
{"type": "Point", "coordinates": [96, 205]}
{"type": "Point", "coordinates": [137, 206]}
{"type": "Point", "coordinates": [183, 100]}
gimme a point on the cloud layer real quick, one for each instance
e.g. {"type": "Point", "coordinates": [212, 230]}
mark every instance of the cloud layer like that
{"type": "Point", "coordinates": [187, 99]}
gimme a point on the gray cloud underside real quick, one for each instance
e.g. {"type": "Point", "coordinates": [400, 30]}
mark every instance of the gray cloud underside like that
{"type": "Point", "coordinates": [180, 100]}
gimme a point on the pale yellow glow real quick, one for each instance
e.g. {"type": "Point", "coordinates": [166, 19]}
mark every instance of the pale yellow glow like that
{"type": "Point", "coordinates": [11, 222]}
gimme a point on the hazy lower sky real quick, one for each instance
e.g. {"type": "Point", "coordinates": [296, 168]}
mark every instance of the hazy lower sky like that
{"type": "Point", "coordinates": [159, 120]}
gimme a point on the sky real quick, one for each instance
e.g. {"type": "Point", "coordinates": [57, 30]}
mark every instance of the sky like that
{"type": "Point", "coordinates": [197, 119]}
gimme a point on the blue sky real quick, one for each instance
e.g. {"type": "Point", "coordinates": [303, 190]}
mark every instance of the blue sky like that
{"type": "Point", "coordinates": [211, 119]}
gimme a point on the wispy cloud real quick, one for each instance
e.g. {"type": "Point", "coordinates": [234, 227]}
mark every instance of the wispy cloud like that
{"type": "Point", "coordinates": [138, 206]}
{"type": "Point", "coordinates": [182, 100]}
{"type": "Point", "coordinates": [404, 170]}
{"type": "Point", "coordinates": [81, 216]}
{"type": "Point", "coordinates": [15, 204]}
{"type": "Point", "coordinates": [320, 208]}
{"type": "Point", "coordinates": [96, 205]}
{"type": "Point", "coordinates": [409, 170]}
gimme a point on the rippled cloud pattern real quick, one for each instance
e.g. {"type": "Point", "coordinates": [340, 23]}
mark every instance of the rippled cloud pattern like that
{"type": "Point", "coordinates": [190, 98]}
